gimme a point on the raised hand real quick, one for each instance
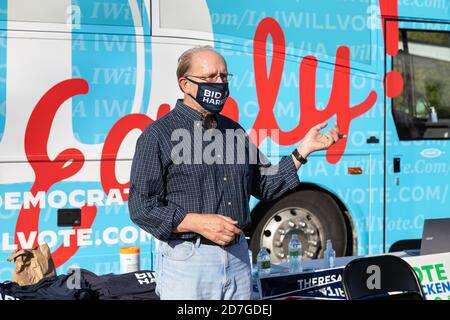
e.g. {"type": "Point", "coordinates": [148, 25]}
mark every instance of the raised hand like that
{"type": "Point", "coordinates": [315, 140]}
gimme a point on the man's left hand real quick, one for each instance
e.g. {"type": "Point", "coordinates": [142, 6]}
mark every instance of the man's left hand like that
{"type": "Point", "coordinates": [314, 140]}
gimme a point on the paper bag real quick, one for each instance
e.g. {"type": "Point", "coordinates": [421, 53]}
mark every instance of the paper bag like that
{"type": "Point", "coordinates": [32, 265]}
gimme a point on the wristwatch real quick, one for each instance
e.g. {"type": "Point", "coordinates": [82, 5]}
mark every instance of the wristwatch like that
{"type": "Point", "coordinates": [299, 157]}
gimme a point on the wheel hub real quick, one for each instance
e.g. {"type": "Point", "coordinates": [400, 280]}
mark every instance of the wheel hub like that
{"type": "Point", "coordinates": [278, 230]}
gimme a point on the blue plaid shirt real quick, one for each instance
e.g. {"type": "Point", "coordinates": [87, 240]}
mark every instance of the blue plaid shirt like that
{"type": "Point", "coordinates": [163, 190]}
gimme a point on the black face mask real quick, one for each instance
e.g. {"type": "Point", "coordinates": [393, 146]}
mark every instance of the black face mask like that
{"type": "Point", "coordinates": [211, 95]}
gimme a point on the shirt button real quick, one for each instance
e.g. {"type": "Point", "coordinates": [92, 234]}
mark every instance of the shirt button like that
{"type": "Point", "coordinates": [224, 178]}
{"type": "Point", "coordinates": [229, 203]}
{"type": "Point", "coordinates": [198, 124]}
{"type": "Point", "coordinates": [218, 156]}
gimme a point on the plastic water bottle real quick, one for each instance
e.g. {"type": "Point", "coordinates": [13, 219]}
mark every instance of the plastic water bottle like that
{"type": "Point", "coordinates": [434, 117]}
{"type": "Point", "coordinates": [263, 260]}
{"type": "Point", "coordinates": [253, 269]}
{"type": "Point", "coordinates": [295, 255]}
{"type": "Point", "coordinates": [329, 255]}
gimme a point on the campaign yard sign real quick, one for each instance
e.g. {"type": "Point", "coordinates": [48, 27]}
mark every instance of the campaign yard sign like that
{"type": "Point", "coordinates": [433, 272]}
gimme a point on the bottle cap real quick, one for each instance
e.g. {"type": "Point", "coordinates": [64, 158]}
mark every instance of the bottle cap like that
{"type": "Point", "coordinates": [130, 250]}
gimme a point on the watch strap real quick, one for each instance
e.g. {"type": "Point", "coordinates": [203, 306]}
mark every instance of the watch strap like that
{"type": "Point", "coordinates": [299, 157]}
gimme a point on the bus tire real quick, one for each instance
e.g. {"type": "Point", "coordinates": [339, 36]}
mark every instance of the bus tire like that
{"type": "Point", "coordinates": [312, 214]}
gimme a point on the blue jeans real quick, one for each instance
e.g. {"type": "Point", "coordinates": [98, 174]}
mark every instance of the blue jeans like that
{"type": "Point", "coordinates": [193, 271]}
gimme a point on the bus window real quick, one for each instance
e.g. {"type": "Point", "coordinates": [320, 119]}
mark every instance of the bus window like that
{"type": "Point", "coordinates": [119, 13]}
{"type": "Point", "coordinates": [172, 16]}
{"type": "Point", "coordinates": [49, 11]}
{"type": "Point", "coordinates": [422, 111]}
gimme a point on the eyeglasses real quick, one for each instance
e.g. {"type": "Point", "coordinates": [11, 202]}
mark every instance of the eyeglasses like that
{"type": "Point", "coordinates": [225, 77]}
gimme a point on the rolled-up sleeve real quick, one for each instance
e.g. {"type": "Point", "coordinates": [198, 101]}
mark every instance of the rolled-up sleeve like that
{"type": "Point", "coordinates": [146, 203]}
{"type": "Point", "coordinates": [271, 181]}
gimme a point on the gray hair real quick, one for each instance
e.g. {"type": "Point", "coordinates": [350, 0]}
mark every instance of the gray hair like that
{"type": "Point", "coordinates": [184, 61]}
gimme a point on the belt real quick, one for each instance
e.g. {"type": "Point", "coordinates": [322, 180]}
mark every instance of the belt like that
{"type": "Point", "coordinates": [203, 240]}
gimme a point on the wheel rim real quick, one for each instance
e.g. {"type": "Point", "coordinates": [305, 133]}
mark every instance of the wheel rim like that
{"type": "Point", "coordinates": [278, 230]}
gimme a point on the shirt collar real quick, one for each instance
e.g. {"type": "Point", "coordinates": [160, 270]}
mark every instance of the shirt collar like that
{"type": "Point", "coordinates": [189, 113]}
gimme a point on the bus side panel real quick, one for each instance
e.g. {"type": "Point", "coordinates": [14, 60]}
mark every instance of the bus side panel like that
{"type": "Point", "coordinates": [75, 82]}
{"type": "Point", "coordinates": [3, 17]}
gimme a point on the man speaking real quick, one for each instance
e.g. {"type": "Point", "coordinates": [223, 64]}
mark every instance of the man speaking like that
{"type": "Point", "coordinates": [195, 197]}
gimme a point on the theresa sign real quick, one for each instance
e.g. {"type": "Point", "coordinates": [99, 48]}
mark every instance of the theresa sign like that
{"type": "Point", "coordinates": [315, 284]}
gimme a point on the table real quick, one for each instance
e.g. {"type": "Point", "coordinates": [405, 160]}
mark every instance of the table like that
{"type": "Point", "coordinates": [319, 282]}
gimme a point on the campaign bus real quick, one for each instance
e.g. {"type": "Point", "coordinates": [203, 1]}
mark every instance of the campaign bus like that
{"type": "Point", "coordinates": [81, 79]}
